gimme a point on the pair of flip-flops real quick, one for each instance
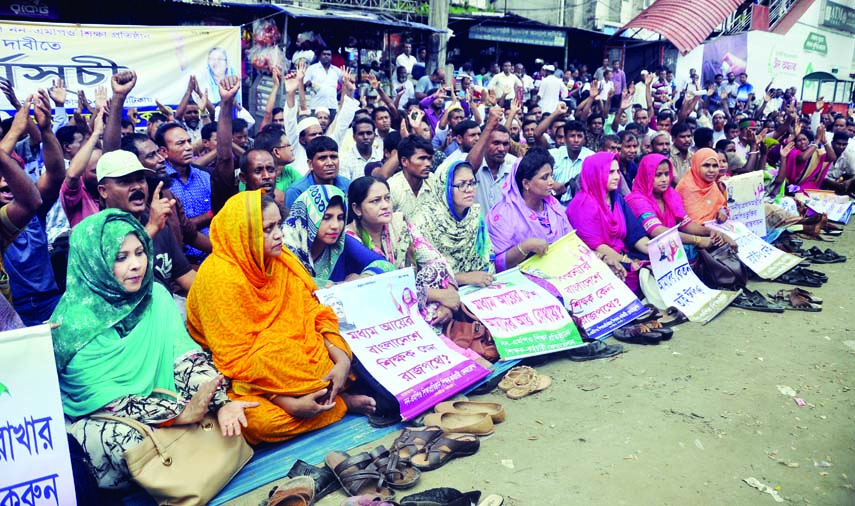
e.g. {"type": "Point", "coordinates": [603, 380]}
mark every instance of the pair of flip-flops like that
{"type": "Point", "coordinates": [797, 299]}
{"type": "Point", "coordinates": [651, 332]}
{"type": "Point", "coordinates": [818, 256]}
{"type": "Point", "coordinates": [802, 276]}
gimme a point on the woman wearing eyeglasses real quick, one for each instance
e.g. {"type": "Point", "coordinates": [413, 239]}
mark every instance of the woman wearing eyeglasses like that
{"type": "Point", "coordinates": [451, 221]}
{"type": "Point", "coordinates": [528, 218]}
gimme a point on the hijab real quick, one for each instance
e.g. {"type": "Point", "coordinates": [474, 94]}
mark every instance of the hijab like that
{"type": "Point", "coordinates": [642, 199]}
{"type": "Point", "coordinates": [512, 221]}
{"type": "Point", "coordinates": [589, 212]}
{"type": "Point", "coordinates": [462, 239]}
{"type": "Point", "coordinates": [302, 225]}
{"type": "Point", "coordinates": [701, 199]}
{"type": "Point", "coordinates": [94, 300]}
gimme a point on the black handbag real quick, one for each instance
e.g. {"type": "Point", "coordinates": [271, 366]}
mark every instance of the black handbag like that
{"type": "Point", "coordinates": [721, 268]}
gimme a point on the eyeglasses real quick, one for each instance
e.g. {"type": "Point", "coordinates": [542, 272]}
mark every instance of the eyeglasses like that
{"type": "Point", "coordinates": [283, 147]}
{"type": "Point", "coordinates": [465, 185]}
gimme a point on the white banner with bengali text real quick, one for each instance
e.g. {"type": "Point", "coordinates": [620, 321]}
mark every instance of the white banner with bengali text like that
{"type": "Point", "coordinates": [33, 55]}
{"type": "Point", "coordinates": [524, 319]}
{"type": "Point", "coordinates": [35, 467]}
{"type": "Point", "coordinates": [590, 290]}
{"type": "Point", "coordinates": [678, 284]}
{"type": "Point", "coordinates": [745, 194]}
{"type": "Point", "coordinates": [836, 207]}
{"type": "Point", "coordinates": [394, 343]}
{"type": "Point", "coordinates": [765, 260]}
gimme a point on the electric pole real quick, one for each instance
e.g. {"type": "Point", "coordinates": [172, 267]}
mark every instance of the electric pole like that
{"type": "Point", "coordinates": [438, 41]}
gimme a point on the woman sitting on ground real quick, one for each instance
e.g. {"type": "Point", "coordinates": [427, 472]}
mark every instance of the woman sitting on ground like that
{"type": "Point", "coordinates": [403, 245]}
{"type": "Point", "coordinates": [451, 220]}
{"type": "Point", "coordinates": [807, 164]}
{"type": "Point", "coordinates": [659, 207]}
{"type": "Point", "coordinates": [604, 221]}
{"type": "Point", "coordinates": [703, 198]}
{"type": "Point", "coordinates": [528, 218]}
{"type": "Point", "coordinates": [252, 305]}
{"type": "Point", "coordinates": [314, 231]}
{"type": "Point", "coordinates": [120, 336]}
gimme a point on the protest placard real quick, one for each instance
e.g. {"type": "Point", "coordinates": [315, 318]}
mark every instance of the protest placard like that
{"type": "Point", "coordinates": [394, 343]}
{"type": "Point", "coordinates": [590, 290]}
{"type": "Point", "coordinates": [678, 284]}
{"type": "Point", "coordinates": [524, 319]}
{"type": "Point", "coordinates": [836, 207]}
{"type": "Point", "coordinates": [86, 56]}
{"type": "Point", "coordinates": [765, 260]}
{"type": "Point", "coordinates": [745, 194]}
{"type": "Point", "coordinates": [35, 467]}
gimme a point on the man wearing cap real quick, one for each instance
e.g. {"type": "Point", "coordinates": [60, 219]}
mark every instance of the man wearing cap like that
{"type": "Point", "coordinates": [324, 169]}
{"type": "Point", "coordinates": [122, 185]}
{"type": "Point", "coordinates": [719, 119]}
{"type": "Point", "coordinates": [552, 89]}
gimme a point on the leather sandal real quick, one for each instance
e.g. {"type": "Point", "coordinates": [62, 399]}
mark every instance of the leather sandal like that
{"type": "Point", "coordinates": [396, 473]}
{"type": "Point", "coordinates": [796, 301]}
{"type": "Point", "coordinates": [357, 474]}
{"type": "Point", "coordinates": [470, 423]}
{"type": "Point", "coordinates": [298, 491]}
{"type": "Point", "coordinates": [639, 333]}
{"type": "Point", "coordinates": [325, 480]}
{"type": "Point", "coordinates": [446, 447]}
{"type": "Point", "coordinates": [799, 277]}
{"type": "Point", "coordinates": [413, 440]}
{"type": "Point", "coordinates": [494, 409]}
{"type": "Point", "coordinates": [522, 374]}
{"type": "Point", "coordinates": [444, 496]}
{"type": "Point", "coordinates": [754, 301]}
{"type": "Point", "coordinates": [673, 317]}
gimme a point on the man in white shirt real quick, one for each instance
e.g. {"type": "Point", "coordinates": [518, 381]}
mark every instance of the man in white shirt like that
{"type": "Point", "coordinates": [352, 162]}
{"type": "Point", "coordinates": [505, 83]}
{"type": "Point", "coordinates": [551, 91]}
{"type": "Point", "coordinates": [402, 82]}
{"type": "Point", "coordinates": [568, 161]}
{"type": "Point", "coordinates": [323, 78]}
{"type": "Point", "coordinates": [527, 81]}
{"type": "Point", "coordinates": [406, 59]}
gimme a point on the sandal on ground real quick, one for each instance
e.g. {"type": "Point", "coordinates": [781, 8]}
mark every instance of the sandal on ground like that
{"type": "Point", "coordinates": [325, 480]}
{"type": "Point", "coordinates": [784, 295]}
{"type": "Point", "coordinates": [656, 327]}
{"type": "Point", "coordinates": [414, 439]}
{"type": "Point", "coordinates": [494, 409]}
{"type": "Point", "coordinates": [492, 500]}
{"type": "Point", "coordinates": [651, 314]}
{"type": "Point", "coordinates": [368, 500]}
{"type": "Point", "coordinates": [298, 491]}
{"type": "Point", "coordinates": [469, 423]}
{"type": "Point", "coordinates": [523, 373]}
{"type": "Point", "coordinates": [828, 256]}
{"type": "Point", "coordinates": [443, 496]}
{"type": "Point", "coordinates": [819, 276]}
{"type": "Point", "coordinates": [397, 473]}
{"type": "Point", "coordinates": [535, 384]}
{"type": "Point", "coordinates": [595, 350]}
{"type": "Point", "coordinates": [637, 334]}
{"type": "Point", "coordinates": [673, 317]}
{"type": "Point", "coordinates": [798, 277]}
{"type": "Point", "coordinates": [754, 301]}
{"type": "Point", "coordinates": [796, 301]}
{"type": "Point", "coordinates": [446, 447]}
{"type": "Point", "coordinates": [357, 474]}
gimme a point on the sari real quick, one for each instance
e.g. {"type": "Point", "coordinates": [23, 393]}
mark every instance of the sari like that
{"type": "Point", "coordinates": [701, 200]}
{"type": "Point", "coordinates": [807, 175]}
{"type": "Point", "coordinates": [114, 347]}
{"type": "Point", "coordinates": [347, 256]}
{"type": "Point", "coordinates": [643, 202]}
{"type": "Point", "coordinates": [463, 240]}
{"type": "Point", "coordinates": [512, 221]}
{"type": "Point", "coordinates": [262, 323]}
{"type": "Point", "coordinates": [596, 222]}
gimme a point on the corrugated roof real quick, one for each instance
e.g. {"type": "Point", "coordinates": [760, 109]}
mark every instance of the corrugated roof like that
{"type": "Point", "coordinates": [686, 23]}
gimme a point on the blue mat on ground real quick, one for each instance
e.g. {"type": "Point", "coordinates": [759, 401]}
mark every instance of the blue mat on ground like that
{"type": "Point", "coordinates": [272, 462]}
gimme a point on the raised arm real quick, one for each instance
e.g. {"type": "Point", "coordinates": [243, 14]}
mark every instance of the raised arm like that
{"type": "Point", "coordinates": [476, 155]}
{"type": "Point", "coordinates": [648, 90]}
{"type": "Point", "coordinates": [81, 160]}
{"type": "Point", "coordinates": [546, 123]}
{"type": "Point", "coordinates": [625, 102]}
{"type": "Point", "coordinates": [122, 84]}
{"type": "Point", "coordinates": [35, 137]}
{"type": "Point", "coordinates": [50, 181]}
{"type": "Point", "coordinates": [271, 100]}
{"type": "Point", "coordinates": [182, 105]}
{"type": "Point", "coordinates": [27, 198]}
{"type": "Point", "coordinates": [583, 110]}
{"type": "Point", "coordinates": [229, 87]}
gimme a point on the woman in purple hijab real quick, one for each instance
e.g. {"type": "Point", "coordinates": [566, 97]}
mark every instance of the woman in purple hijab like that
{"type": "Point", "coordinates": [528, 218]}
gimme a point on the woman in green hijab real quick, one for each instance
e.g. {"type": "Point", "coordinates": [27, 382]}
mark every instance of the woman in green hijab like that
{"type": "Point", "coordinates": [119, 337]}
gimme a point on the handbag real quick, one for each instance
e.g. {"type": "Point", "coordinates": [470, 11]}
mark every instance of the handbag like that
{"type": "Point", "coordinates": [721, 268]}
{"type": "Point", "coordinates": [467, 331]}
{"type": "Point", "coordinates": [183, 465]}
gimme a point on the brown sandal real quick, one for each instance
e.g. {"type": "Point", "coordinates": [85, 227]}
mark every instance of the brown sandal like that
{"type": "Point", "coordinates": [357, 474]}
{"type": "Point", "coordinates": [413, 440]}
{"type": "Point", "coordinates": [445, 448]}
{"type": "Point", "coordinates": [394, 472]}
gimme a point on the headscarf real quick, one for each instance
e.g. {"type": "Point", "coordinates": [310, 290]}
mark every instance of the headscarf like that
{"type": "Point", "coordinates": [301, 229]}
{"type": "Point", "coordinates": [642, 200]}
{"type": "Point", "coordinates": [94, 300]}
{"type": "Point", "coordinates": [595, 221]}
{"type": "Point", "coordinates": [702, 200]}
{"type": "Point", "coordinates": [462, 239]}
{"type": "Point", "coordinates": [512, 221]}
{"type": "Point", "coordinates": [259, 317]}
